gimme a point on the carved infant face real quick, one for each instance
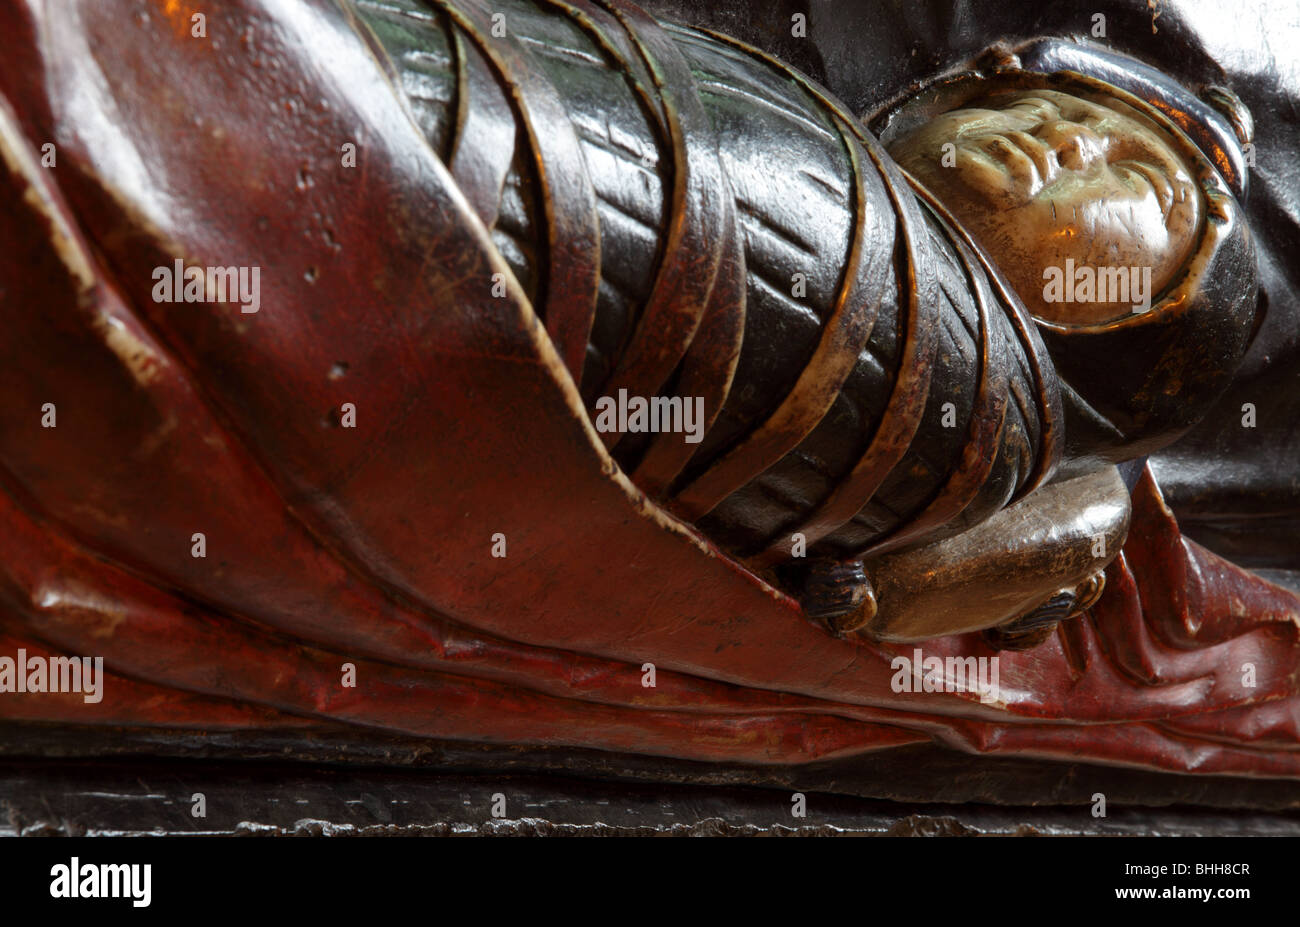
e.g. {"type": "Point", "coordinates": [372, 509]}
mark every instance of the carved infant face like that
{"type": "Point", "coordinates": [1042, 178]}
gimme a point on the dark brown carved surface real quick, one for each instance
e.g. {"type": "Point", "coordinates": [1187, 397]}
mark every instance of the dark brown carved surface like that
{"type": "Point", "coordinates": [597, 202]}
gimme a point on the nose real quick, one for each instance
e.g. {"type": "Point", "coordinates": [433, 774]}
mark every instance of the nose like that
{"type": "Point", "coordinates": [1075, 145]}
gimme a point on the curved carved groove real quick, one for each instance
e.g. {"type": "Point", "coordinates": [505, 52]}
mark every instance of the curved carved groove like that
{"type": "Point", "coordinates": [485, 132]}
{"type": "Point", "coordinates": [569, 199]}
{"type": "Point", "coordinates": [902, 417]}
{"type": "Point", "coordinates": [709, 367]}
{"type": "Point", "coordinates": [988, 419]}
{"type": "Point", "coordinates": [1051, 413]}
{"type": "Point", "coordinates": [843, 337]}
{"type": "Point", "coordinates": [692, 248]}
{"type": "Point", "coordinates": [713, 350]}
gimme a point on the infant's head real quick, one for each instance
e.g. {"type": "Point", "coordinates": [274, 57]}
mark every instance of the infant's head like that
{"type": "Point", "coordinates": [1052, 183]}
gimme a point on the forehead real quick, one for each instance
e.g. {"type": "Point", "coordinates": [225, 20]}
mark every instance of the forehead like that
{"type": "Point", "coordinates": [1025, 109]}
{"type": "Point", "coordinates": [1041, 105]}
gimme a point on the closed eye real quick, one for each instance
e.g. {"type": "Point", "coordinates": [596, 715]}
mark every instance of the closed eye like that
{"type": "Point", "coordinates": [1041, 108]}
{"type": "Point", "coordinates": [1154, 179]}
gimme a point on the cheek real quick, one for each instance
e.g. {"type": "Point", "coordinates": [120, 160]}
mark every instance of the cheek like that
{"type": "Point", "coordinates": [1129, 232]}
{"type": "Point", "coordinates": [925, 148]}
{"type": "Point", "coordinates": [1066, 220]}
{"type": "Point", "coordinates": [1185, 216]}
